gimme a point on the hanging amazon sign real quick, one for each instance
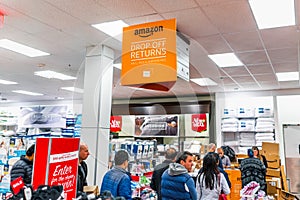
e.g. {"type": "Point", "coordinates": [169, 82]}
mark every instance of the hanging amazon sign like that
{"type": "Point", "coordinates": [199, 122]}
{"type": "Point", "coordinates": [149, 53]}
{"type": "Point", "coordinates": [115, 124]}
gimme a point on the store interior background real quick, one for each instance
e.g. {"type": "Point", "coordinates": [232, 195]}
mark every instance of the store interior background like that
{"type": "Point", "coordinates": [63, 29]}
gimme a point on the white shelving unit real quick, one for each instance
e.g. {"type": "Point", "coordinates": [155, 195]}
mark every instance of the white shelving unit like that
{"type": "Point", "coordinates": [243, 128]}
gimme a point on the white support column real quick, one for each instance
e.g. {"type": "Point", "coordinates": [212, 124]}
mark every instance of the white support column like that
{"type": "Point", "coordinates": [97, 98]}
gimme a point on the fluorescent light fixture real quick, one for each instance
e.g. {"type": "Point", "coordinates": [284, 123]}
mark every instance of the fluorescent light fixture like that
{"type": "Point", "coordinates": [113, 29]}
{"type": "Point", "coordinates": [72, 89]}
{"type": "Point", "coordinates": [59, 98]}
{"type": "Point", "coordinates": [27, 92]}
{"type": "Point", "coordinates": [288, 76]}
{"type": "Point", "coordinates": [226, 60]}
{"type": "Point", "coordinates": [118, 65]}
{"type": "Point", "coordinates": [22, 49]}
{"type": "Point", "coordinates": [7, 82]}
{"type": "Point", "coordinates": [204, 81]}
{"type": "Point", "coordinates": [52, 74]}
{"type": "Point", "coordinates": [273, 13]}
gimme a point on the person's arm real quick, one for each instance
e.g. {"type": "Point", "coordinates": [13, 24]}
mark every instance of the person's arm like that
{"type": "Point", "coordinates": [228, 163]}
{"type": "Point", "coordinates": [225, 187]}
{"type": "Point", "coordinates": [125, 188]}
{"type": "Point", "coordinates": [191, 186]}
{"type": "Point", "coordinates": [153, 184]}
{"type": "Point", "coordinates": [264, 161]}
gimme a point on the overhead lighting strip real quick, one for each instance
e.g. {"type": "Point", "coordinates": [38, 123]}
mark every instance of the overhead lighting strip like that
{"type": "Point", "coordinates": [27, 92]}
{"type": "Point", "coordinates": [22, 49]}
{"type": "Point", "coordinates": [273, 13]}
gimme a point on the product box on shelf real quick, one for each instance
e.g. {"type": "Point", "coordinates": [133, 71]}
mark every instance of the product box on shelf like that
{"type": "Point", "coordinates": [273, 160]}
{"type": "Point", "coordinates": [273, 172]}
{"type": "Point", "coordinates": [270, 148]}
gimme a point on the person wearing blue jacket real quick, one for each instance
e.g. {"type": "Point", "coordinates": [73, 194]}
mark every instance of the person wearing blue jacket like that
{"type": "Point", "coordinates": [176, 183]}
{"type": "Point", "coordinates": [117, 180]}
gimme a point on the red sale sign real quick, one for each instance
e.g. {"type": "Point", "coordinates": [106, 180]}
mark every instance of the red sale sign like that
{"type": "Point", "coordinates": [17, 184]}
{"type": "Point", "coordinates": [199, 122]}
{"type": "Point", "coordinates": [56, 163]}
{"type": "Point", "coordinates": [115, 123]}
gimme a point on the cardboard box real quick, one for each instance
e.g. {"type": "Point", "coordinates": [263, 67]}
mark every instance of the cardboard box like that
{"type": "Point", "coordinates": [273, 160]}
{"type": "Point", "coordinates": [284, 195]}
{"type": "Point", "coordinates": [235, 178]}
{"type": "Point", "coordinates": [270, 148]}
{"type": "Point", "coordinates": [273, 172]}
{"type": "Point", "coordinates": [91, 189]}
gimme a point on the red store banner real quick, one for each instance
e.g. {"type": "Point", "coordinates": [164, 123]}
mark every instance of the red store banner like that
{"type": "Point", "coordinates": [56, 163]}
{"type": "Point", "coordinates": [199, 122]}
{"type": "Point", "coordinates": [115, 124]}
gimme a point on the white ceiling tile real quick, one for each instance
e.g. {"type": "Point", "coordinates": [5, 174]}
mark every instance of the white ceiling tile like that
{"type": "Point", "coordinates": [244, 41]}
{"type": "Point", "coordinates": [128, 8]}
{"type": "Point", "coordinates": [280, 37]}
{"type": "Point", "coordinates": [253, 57]}
{"type": "Point", "coordinates": [260, 69]}
{"type": "Point", "coordinates": [231, 17]}
{"type": "Point", "coordinates": [283, 55]}
{"type": "Point", "coordinates": [171, 5]}
{"type": "Point", "coordinates": [214, 44]}
{"type": "Point", "coordinates": [192, 22]}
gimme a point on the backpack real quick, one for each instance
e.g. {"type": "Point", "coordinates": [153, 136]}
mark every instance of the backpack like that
{"type": "Point", "coordinates": [228, 151]}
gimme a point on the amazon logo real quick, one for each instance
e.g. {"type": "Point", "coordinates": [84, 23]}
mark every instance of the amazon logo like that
{"type": "Point", "coordinates": [146, 32]}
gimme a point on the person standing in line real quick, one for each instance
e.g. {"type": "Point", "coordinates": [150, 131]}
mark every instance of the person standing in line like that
{"type": "Point", "coordinates": [159, 170]}
{"type": "Point", "coordinates": [82, 167]}
{"type": "Point", "coordinates": [253, 169]}
{"type": "Point", "coordinates": [210, 182]}
{"type": "Point", "coordinates": [176, 183]}
{"type": "Point", "coordinates": [23, 167]}
{"type": "Point", "coordinates": [118, 180]}
{"type": "Point", "coordinates": [256, 154]}
{"type": "Point", "coordinates": [225, 159]}
{"type": "Point", "coordinates": [211, 150]}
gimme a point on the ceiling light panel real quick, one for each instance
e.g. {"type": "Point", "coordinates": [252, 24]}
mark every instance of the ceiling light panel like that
{"type": "Point", "coordinates": [273, 13]}
{"type": "Point", "coordinates": [113, 29]}
{"type": "Point", "coordinates": [204, 81]}
{"type": "Point", "coordinates": [72, 89]}
{"type": "Point", "coordinates": [27, 92]}
{"type": "Point", "coordinates": [288, 76]}
{"type": "Point", "coordinates": [52, 74]}
{"type": "Point", "coordinates": [226, 60]}
{"type": "Point", "coordinates": [22, 49]}
{"type": "Point", "coordinates": [4, 82]}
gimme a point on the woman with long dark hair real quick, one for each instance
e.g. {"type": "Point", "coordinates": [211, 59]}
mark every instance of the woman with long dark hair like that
{"type": "Point", "coordinates": [210, 182]}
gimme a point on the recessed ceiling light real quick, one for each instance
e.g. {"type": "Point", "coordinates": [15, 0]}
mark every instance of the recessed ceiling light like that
{"type": "Point", "coordinates": [72, 89]}
{"type": "Point", "coordinates": [59, 98]}
{"type": "Point", "coordinates": [7, 82]}
{"type": "Point", "coordinates": [226, 60]}
{"type": "Point", "coordinates": [204, 81]}
{"type": "Point", "coordinates": [273, 13]}
{"type": "Point", "coordinates": [288, 76]}
{"type": "Point", "coordinates": [27, 92]}
{"type": "Point", "coordinates": [113, 29]}
{"type": "Point", "coordinates": [52, 74]}
{"type": "Point", "coordinates": [22, 49]}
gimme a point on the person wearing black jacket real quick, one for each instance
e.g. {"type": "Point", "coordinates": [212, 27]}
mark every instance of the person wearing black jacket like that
{"type": "Point", "coordinates": [23, 167]}
{"type": "Point", "coordinates": [159, 170]}
{"type": "Point", "coordinates": [82, 167]}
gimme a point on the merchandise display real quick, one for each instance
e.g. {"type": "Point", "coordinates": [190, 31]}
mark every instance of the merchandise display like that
{"type": "Point", "coordinates": [243, 128]}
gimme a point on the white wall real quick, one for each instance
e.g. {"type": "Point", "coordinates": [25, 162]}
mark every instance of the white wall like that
{"type": "Point", "coordinates": [288, 113]}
